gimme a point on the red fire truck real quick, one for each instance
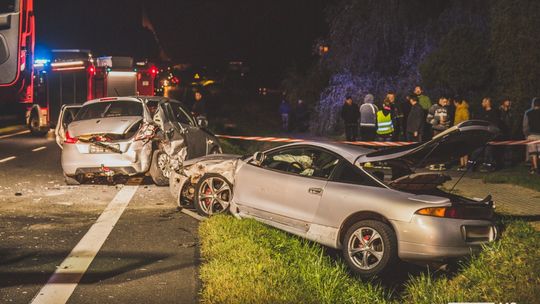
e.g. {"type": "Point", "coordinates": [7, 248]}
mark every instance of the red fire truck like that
{"type": "Point", "coordinates": [74, 76]}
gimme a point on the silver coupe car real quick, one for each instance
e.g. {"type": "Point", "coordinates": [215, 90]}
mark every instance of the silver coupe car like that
{"type": "Point", "coordinates": [129, 136]}
{"type": "Point", "coordinates": [370, 204]}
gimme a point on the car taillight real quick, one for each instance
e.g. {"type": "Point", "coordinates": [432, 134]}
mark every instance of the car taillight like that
{"type": "Point", "coordinates": [147, 131]}
{"type": "Point", "coordinates": [459, 212]}
{"type": "Point", "coordinates": [70, 140]}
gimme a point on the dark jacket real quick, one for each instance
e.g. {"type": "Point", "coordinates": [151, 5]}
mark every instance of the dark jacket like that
{"type": "Point", "coordinates": [492, 116]}
{"type": "Point", "coordinates": [533, 119]}
{"type": "Point", "coordinates": [350, 113]}
{"type": "Point", "coordinates": [199, 108]}
{"type": "Point", "coordinates": [507, 122]}
{"type": "Point", "coordinates": [415, 120]}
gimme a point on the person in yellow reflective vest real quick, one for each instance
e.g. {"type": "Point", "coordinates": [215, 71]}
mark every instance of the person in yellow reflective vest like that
{"type": "Point", "coordinates": [385, 123]}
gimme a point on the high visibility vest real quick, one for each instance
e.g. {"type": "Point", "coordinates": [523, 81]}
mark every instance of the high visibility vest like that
{"type": "Point", "coordinates": [385, 125]}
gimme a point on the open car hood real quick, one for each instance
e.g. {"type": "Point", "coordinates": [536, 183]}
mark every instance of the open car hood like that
{"type": "Point", "coordinates": [108, 125]}
{"type": "Point", "coordinates": [447, 146]}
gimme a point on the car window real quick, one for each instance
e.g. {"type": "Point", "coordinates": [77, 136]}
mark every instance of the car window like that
{"type": "Point", "coordinates": [302, 161]}
{"type": "Point", "coordinates": [69, 116]}
{"type": "Point", "coordinates": [350, 174]}
{"type": "Point", "coordinates": [110, 109]}
{"type": "Point", "coordinates": [180, 114]}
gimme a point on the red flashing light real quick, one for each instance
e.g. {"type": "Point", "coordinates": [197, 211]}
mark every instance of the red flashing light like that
{"type": "Point", "coordinates": [91, 69]}
{"type": "Point", "coordinates": [153, 70]}
{"type": "Point", "coordinates": [69, 139]}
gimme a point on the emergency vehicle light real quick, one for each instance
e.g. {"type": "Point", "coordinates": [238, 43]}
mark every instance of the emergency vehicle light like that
{"type": "Point", "coordinates": [67, 64]}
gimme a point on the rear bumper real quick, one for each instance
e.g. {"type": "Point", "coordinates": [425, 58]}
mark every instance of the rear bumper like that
{"type": "Point", "coordinates": [429, 238]}
{"type": "Point", "coordinates": [135, 159]}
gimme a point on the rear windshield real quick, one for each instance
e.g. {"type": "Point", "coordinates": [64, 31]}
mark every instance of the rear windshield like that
{"type": "Point", "coordinates": [117, 108]}
{"type": "Point", "coordinates": [7, 6]}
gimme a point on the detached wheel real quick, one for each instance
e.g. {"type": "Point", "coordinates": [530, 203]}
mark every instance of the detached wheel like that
{"type": "Point", "coordinates": [73, 180]}
{"type": "Point", "coordinates": [160, 169]}
{"type": "Point", "coordinates": [369, 248]}
{"type": "Point", "coordinates": [213, 195]}
{"type": "Point", "coordinates": [34, 125]}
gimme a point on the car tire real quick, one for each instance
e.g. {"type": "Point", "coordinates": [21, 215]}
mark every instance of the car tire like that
{"type": "Point", "coordinates": [218, 191]}
{"type": "Point", "coordinates": [156, 172]}
{"type": "Point", "coordinates": [33, 125]}
{"type": "Point", "coordinates": [368, 256]}
{"type": "Point", "coordinates": [72, 181]}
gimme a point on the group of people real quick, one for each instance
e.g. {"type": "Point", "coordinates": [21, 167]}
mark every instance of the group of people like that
{"type": "Point", "coordinates": [418, 119]}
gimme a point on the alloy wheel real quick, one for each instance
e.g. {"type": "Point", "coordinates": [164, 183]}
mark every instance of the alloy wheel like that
{"type": "Point", "coordinates": [214, 195]}
{"type": "Point", "coordinates": [366, 248]}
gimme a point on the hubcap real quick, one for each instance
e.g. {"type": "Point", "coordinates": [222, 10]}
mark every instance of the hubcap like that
{"type": "Point", "coordinates": [366, 248]}
{"type": "Point", "coordinates": [214, 195]}
{"type": "Point", "coordinates": [163, 164]}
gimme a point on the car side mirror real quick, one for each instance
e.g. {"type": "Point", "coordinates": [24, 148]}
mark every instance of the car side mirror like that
{"type": "Point", "coordinates": [258, 158]}
{"type": "Point", "coordinates": [202, 122]}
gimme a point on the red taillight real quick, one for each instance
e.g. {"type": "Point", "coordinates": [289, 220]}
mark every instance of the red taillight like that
{"type": "Point", "coordinates": [70, 140]}
{"type": "Point", "coordinates": [147, 131]}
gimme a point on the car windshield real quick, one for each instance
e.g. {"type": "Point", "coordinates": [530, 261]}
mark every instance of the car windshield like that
{"type": "Point", "coordinates": [117, 108]}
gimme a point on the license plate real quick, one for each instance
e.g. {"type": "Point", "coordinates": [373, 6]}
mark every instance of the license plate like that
{"type": "Point", "coordinates": [99, 149]}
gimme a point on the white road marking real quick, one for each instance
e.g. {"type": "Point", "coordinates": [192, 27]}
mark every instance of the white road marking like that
{"type": "Point", "coordinates": [66, 277]}
{"type": "Point", "coordinates": [39, 149]}
{"type": "Point", "coordinates": [7, 159]}
{"type": "Point", "coordinates": [193, 214]}
{"type": "Point", "coordinates": [14, 134]}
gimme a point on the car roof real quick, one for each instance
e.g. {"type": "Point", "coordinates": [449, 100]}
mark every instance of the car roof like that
{"type": "Point", "coordinates": [347, 151]}
{"type": "Point", "coordinates": [142, 99]}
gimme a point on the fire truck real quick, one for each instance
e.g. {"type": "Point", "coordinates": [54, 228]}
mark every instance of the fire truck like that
{"type": "Point", "coordinates": [17, 35]}
{"type": "Point", "coordinates": [74, 76]}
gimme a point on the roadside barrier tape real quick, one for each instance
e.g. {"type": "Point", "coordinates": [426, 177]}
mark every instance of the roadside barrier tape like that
{"type": "Point", "coordinates": [368, 143]}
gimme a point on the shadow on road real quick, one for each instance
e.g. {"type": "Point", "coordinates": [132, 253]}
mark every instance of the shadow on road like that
{"type": "Point", "coordinates": [140, 264]}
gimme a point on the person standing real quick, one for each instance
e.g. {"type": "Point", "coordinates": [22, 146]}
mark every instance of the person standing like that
{"type": "Point", "coordinates": [438, 116]}
{"type": "Point", "coordinates": [397, 115]}
{"type": "Point", "coordinates": [489, 114]}
{"type": "Point", "coordinates": [425, 102]}
{"type": "Point", "coordinates": [385, 122]}
{"type": "Point", "coordinates": [461, 114]}
{"type": "Point", "coordinates": [531, 130]}
{"type": "Point", "coordinates": [507, 121]}
{"type": "Point", "coordinates": [350, 114]}
{"type": "Point", "coordinates": [415, 120]}
{"type": "Point", "coordinates": [284, 111]}
{"type": "Point", "coordinates": [368, 119]}
{"type": "Point", "coordinates": [199, 107]}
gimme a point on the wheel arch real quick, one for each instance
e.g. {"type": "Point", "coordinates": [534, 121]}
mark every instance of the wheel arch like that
{"type": "Point", "coordinates": [360, 216]}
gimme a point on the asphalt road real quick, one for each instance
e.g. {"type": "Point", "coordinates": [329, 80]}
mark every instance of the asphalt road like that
{"type": "Point", "coordinates": [150, 256]}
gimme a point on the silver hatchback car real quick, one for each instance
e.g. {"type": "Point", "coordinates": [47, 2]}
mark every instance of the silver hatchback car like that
{"type": "Point", "coordinates": [129, 136]}
{"type": "Point", "coordinates": [370, 204]}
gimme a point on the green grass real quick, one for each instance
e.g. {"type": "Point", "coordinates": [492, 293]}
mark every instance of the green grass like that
{"type": "Point", "coordinates": [248, 262]}
{"type": "Point", "coordinates": [518, 175]}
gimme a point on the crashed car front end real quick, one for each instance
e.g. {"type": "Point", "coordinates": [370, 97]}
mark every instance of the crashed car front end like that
{"type": "Point", "coordinates": [185, 176]}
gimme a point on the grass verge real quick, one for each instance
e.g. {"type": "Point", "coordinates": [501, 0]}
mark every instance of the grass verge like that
{"type": "Point", "coordinates": [518, 175]}
{"type": "Point", "coordinates": [248, 262]}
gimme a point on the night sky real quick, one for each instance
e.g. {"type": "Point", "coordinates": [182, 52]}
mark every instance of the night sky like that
{"type": "Point", "coordinates": [270, 35]}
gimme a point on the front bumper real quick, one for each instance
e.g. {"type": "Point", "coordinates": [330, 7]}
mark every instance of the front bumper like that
{"type": "Point", "coordinates": [430, 238]}
{"type": "Point", "coordinates": [135, 158]}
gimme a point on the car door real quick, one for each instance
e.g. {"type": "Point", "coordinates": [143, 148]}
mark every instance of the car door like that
{"type": "Point", "coordinates": [286, 187]}
{"type": "Point", "coordinates": [195, 138]}
{"type": "Point", "coordinates": [10, 29]}
{"type": "Point", "coordinates": [67, 114]}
